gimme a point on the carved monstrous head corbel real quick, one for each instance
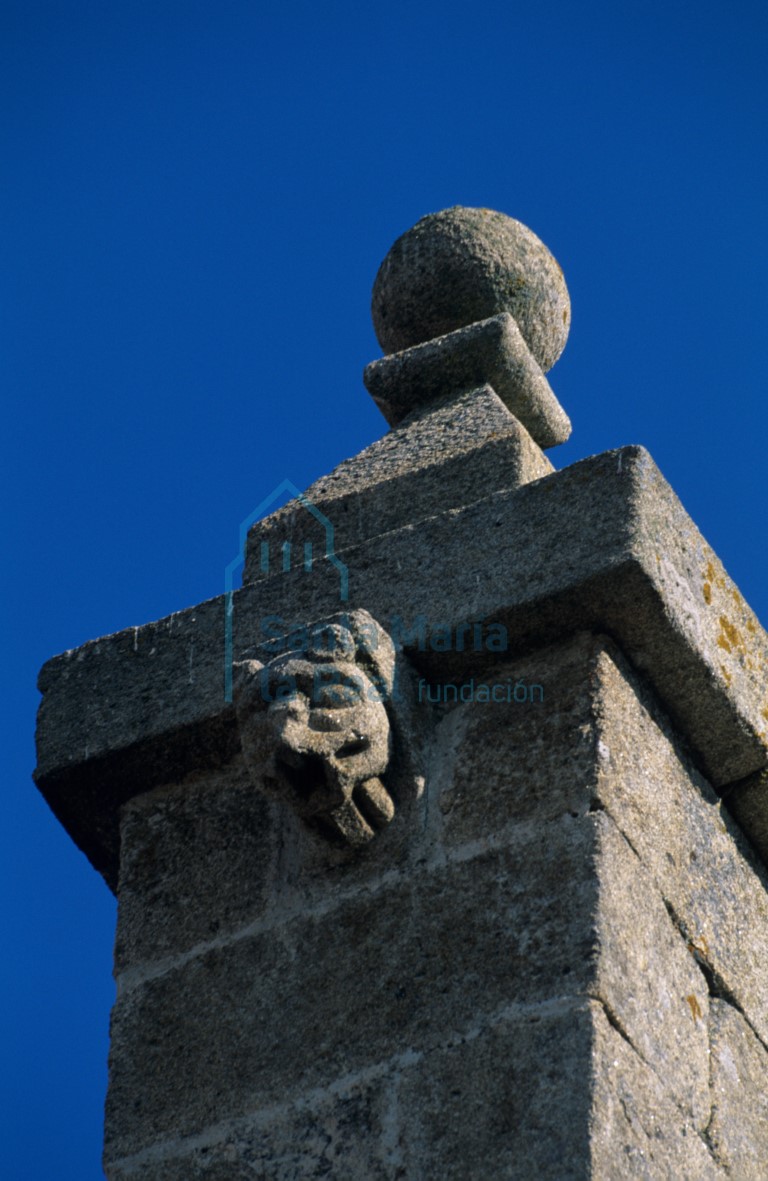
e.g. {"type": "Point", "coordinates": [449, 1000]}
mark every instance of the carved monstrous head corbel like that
{"type": "Point", "coordinates": [319, 726]}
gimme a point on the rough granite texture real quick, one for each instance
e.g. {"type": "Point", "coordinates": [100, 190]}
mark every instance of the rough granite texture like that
{"type": "Point", "coordinates": [559, 974]}
{"type": "Point", "coordinates": [146, 706]}
{"type": "Point", "coordinates": [491, 351]}
{"type": "Point", "coordinates": [738, 1131]}
{"type": "Point", "coordinates": [178, 841]}
{"type": "Point", "coordinates": [748, 801]}
{"type": "Point", "coordinates": [454, 1113]}
{"type": "Point", "coordinates": [462, 265]}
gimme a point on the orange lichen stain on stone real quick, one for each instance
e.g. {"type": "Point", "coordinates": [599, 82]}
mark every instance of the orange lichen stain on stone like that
{"type": "Point", "coordinates": [711, 579]}
{"type": "Point", "coordinates": [726, 675]}
{"type": "Point", "coordinates": [730, 639]}
{"type": "Point", "coordinates": [695, 1007]}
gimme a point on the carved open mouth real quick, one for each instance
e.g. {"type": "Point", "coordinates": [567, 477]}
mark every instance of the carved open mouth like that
{"type": "Point", "coordinates": [305, 774]}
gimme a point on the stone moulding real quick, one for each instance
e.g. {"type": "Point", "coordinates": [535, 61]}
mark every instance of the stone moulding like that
{"type": "Point", "coordinates": [602, 545]}
{"type": "Point", "coordinates": [445, 455]}
{"type": "Point", "coordinates": [491, 351]}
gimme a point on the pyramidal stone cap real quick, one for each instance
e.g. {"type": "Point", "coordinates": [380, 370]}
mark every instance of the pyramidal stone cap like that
{"type": "Point", "coordinates": [470, 298]}
{"type": "Point", "coordinates": [462, 265]}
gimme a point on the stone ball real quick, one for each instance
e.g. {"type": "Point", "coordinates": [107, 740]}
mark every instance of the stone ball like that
{"type": "Point", "coordinates": [461, 265]}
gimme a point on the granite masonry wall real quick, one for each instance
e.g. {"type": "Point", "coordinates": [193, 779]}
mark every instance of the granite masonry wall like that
{"type": "Point", "coordinates": [556, 969]}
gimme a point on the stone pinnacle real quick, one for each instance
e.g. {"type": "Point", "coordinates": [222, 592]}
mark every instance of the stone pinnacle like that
{"type": "Point", "coordinates": [463, 265]}
{"type": "Point", "coordinates": [465, 300]}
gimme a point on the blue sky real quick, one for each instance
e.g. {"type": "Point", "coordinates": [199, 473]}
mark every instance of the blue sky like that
{"type": "Point", "coordinates": [195, 199]}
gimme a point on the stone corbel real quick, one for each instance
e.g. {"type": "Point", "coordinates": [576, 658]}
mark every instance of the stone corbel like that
{"type": "Point", "coordinates": [324, 726]}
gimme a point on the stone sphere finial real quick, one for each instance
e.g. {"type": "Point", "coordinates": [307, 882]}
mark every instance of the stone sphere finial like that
{"type": "Point", "coordinates": [462, 265]}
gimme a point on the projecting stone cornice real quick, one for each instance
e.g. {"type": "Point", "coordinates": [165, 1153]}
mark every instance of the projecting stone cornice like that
{"type": "Point", "coordinates": [603, 545]}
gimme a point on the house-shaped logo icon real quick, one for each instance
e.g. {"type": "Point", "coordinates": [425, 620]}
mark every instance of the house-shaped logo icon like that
{"type": "Point", "coordinates": [287, 556]}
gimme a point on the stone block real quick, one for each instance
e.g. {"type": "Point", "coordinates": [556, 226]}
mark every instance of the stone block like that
{"type": "Point", "coordinates": [636, 1129]}
{"type": "Point", "coordinates": [198, 861]}
{"type": "Point", "coordinates": [601, 740]}
{"type": "Point", "coordinates": [504, 1097]}
{"type": "Point", "coordinates": [556, 1093]}
{"type": "Point", "coordinates": [505, 762]}
{"type": "Point", "coordinates": [712, 884]}
{"type": "Point", "coordinates": [648, 982]}
{"type": "Point", "coordinates": [147, 708]}
{"type": "Point", "coordinates": [504, 770]}
{"type": "Point", "coordinates": [346, 1131]}
{"type": "Point", "coordinates": [738, 1131]}
{"type": "Point", "coordinates": [281, 1010]}
{"type": "Point", "coordinates": [504, 1100]}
